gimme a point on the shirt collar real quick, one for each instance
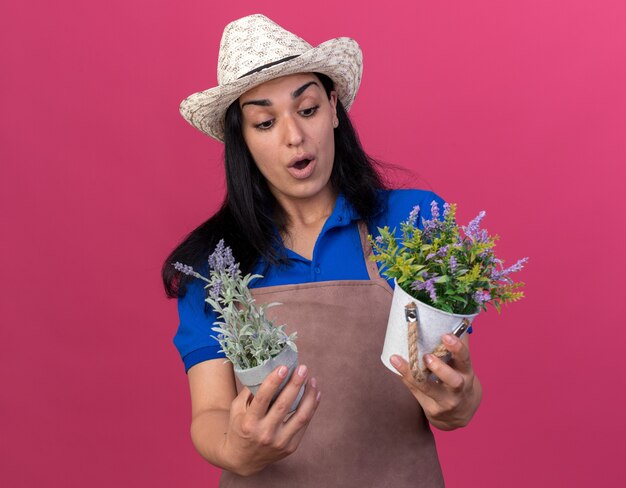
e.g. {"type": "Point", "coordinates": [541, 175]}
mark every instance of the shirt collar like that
{"type": "Point", "coordinates": [343, 214]}
{"type": "Point", "coordinates": [347, 213]}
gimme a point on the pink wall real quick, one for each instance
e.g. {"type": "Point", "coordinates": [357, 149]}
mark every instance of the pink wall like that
{"type": "Point", "coordinates": [518, 108]}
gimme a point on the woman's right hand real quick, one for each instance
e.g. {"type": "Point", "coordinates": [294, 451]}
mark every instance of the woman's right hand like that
{"type": "Point", "coordinates": [258, 434]}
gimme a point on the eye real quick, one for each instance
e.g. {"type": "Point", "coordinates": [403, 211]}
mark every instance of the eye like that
{"type": "Point", "coordinates": [309, 112]}
{"type": "Point", "coordinates": [265, 125]}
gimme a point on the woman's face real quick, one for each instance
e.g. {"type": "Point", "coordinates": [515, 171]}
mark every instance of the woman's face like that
{"type": "Point", "coordinates": [288, 127]}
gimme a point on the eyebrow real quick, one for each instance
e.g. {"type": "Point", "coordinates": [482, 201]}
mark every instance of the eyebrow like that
{"type": "Point", "coordinates": [267, 103]}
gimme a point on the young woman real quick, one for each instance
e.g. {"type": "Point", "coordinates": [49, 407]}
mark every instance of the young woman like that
{"type": "Point", "coordinates": [301, 198]}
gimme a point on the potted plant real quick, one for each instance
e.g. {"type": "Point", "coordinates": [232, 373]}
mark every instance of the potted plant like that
{"type": "Point", "coordinates": [448, 276]}
{"type": "Point", "coordinates": [248, 338]}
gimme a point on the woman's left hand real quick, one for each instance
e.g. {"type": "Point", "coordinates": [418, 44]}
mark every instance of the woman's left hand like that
{"type": "Point", "coordinates": [450, 402]}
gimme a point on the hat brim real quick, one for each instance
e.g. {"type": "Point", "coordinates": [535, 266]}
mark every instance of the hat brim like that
{"type": "Point", "coordinates": [340, 59]}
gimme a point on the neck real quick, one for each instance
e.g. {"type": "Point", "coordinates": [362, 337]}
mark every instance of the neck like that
{"type": "Point", "coordinates": [305, 220]}
{"type": "Point", "coordinates": [305, 212]}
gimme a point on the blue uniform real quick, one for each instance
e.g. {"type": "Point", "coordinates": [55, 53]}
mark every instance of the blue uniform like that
{"type": "Point", "coordinates": [337, 255]}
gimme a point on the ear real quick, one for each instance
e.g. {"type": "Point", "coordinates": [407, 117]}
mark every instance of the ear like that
{"type": "Point", "coordinates": [333, 104]}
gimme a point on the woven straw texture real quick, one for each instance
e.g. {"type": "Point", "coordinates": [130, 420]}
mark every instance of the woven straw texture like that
{"type": "Point", "coordinates": [255, 41]}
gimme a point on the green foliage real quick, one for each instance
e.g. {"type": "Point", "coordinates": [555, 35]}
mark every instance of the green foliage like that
{"type": "Point", "coordinates": [454, 272]}
{"type": "Point", "coordinates": [245, 333]}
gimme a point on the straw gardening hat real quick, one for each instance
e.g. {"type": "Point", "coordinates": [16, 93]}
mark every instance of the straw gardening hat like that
{"type": "Point", "coordinates": [254, 50]}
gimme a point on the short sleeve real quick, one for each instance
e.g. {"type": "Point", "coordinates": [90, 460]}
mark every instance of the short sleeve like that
{"type": "Point", "coordinates": [193, 337]}
{"type": "Point", "coordinates": [400, 203]}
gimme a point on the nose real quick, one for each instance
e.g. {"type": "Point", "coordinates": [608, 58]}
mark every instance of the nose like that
{"type": "Point", "coordinates": [294, 135]}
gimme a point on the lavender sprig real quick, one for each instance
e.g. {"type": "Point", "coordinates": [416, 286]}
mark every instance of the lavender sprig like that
{"type": "Point", "coordinates": [481, 296]}
{"type": "Point", "coordinates": [245, 334]}
{"type": "Point", "coordinates": [428, 285]}
{"type": "Point", "coordinates": [473, 230]}
{"type": "Point", "coordinates": [434, 210]}
{"type": "Point", "coordinates": [503, 274]}
{"type": "Point", "coordinates": [413, 215]}
{"type": "Point", "coordinates": [222, 260]}
{"type": "Point", "coordinates": [189, 271]}
{"type": "Point", "coordinates": [443, 250]}
{"type": "Point", "coordinates": [452, 263]}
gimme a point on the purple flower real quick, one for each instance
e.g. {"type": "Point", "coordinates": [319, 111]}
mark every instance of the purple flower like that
{"type": "Point", "coordinates": [430, 228]}
{"type": "Point", "coordinates": [517, 266]}
{"type": "Point", "coordinates": [216, 289]}
{"type": "Point", "coordinates": [428, 285]}
{"type": "Point", "coordinates": [443, 251]}
{"type": "Point", "coordinates": [413, 215]}
{"type": "Point", "coordinates": [430, 288]}
{"type": "Point", "coordinates": [473, 230]}
{"type": "Point", "coordinates": [379, 240]}
{"type": "Point", "coordinates": [188, 270]}
{"type": "Point", "coordinates": [434, 210]}
{"type": "Point", "coordinates": [498, 275]}
{"type": "Point", "coordinates": [430, 256]}
{"type": "Point", "coordinates": [446, 209]}
{"type": "Point", "coordinates": [222, 259]}
{"type": "Point", "coordinates": [183, 268]}
{"type": "Point", "coordinates": [432, 225]}
{"type": "Point", "coordinates": [484, 253]}
{"type": "Point", "coordinates": [481, 296]}
{"type": "Point", "coordinates": [453, 264]}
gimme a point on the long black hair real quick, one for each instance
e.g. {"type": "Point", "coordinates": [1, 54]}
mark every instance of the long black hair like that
{"type": "Point", "coordinates": [250, 215]}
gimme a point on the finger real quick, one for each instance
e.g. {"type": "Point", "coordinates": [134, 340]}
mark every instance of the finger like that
{"type": "Point", "coordinates": [460, 353]}
{"type": "Point", "coordinates": [447, 376]}
{"type": "Point", "coordinates": [260, 403]}
{"type": "Point", "coordinates": [295, 440]}
{"type": "Point", "coordinates": [242, 400]}
{"type": "Point", "coordinates": [402, 366]}
{"type": "Point", "coordinates": [288, 395]}
{"type": "Point", "coordinates": [293, 429]}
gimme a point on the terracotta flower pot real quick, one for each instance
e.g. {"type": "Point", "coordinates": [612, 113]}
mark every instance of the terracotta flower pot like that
{"type": "Point", "coordinates": [253, 377]}
{"type": "Point", "coordinates": [432, 324]}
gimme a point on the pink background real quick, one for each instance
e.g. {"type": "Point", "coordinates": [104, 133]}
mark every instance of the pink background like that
{"type": "Point", "coordinates": [518, 108]}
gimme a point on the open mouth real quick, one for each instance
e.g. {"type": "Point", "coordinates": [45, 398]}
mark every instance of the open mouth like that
{"type": "Point", "coordinates": [303, 168]}
{"type": "Point", "coordinates": [302, 164]}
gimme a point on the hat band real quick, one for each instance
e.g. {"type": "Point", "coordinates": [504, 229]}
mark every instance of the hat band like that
{"type": "Point", "coordinates": [268, 65]}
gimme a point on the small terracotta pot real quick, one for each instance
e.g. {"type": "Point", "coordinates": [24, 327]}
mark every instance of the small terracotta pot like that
{"type": "Point", "coordinates": [253, 377]}
{"type": "Point", "coordinates": [433, 323]}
